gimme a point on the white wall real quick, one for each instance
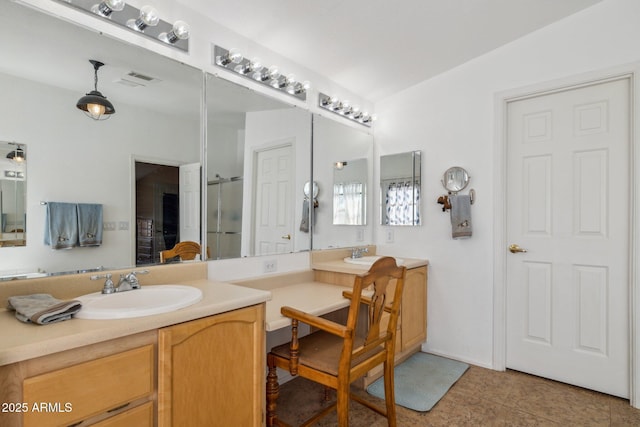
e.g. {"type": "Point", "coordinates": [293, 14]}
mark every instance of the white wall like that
{"type": "Point", "coordinates": [71, 158]}
{"type": "Point", "coordinates": [451, 118]}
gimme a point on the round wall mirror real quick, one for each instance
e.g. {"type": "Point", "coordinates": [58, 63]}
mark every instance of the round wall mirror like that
{"type": "Point", "coordinates": [307, 189]}
{"type": "Point", "coordinates": [455, 179]}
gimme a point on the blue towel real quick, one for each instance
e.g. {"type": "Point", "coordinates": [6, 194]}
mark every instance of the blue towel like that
{"type": "Point", "coordinates": [89, 224]}
{"type": "Point", "coordinates": [61, 225]}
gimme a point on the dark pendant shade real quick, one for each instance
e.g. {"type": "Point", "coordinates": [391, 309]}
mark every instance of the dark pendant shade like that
{"type": "Point", "coordinates": [96, 105]}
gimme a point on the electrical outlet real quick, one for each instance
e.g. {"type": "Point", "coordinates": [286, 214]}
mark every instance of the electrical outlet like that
{"type": "Point", "coordinates": [389, 235]}
{"type": "Point", "coordinates": [123, 225]}
{"type": "Point", "coordinates": [270, 266]}
{"type": "Point", "coordinates": [359, 235]}
{"type": "Point", "coordinates": [109, 226]}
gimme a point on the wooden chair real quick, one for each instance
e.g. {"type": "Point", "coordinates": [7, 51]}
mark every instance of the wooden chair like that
{"type": "Point", "coordinates": [186, 250]}
{"type": "Point", "coordinates": [335, 355]}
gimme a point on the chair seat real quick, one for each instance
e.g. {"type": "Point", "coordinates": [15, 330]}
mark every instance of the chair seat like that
{"type": "Point", "coordinates": [321, 351]}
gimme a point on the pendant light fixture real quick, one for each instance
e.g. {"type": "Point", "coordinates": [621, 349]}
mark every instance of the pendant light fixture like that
{"type": "Point", "coordinates": [95, 104]}
{"type": "Point", "coordinates": [18, 155]}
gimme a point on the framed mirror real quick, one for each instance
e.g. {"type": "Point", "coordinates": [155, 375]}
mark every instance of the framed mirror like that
{"type": "Point", "coordinates": [258, 164]}
{"type": "Point", "coordinates": [13, 187]}
{"type": "Point", "coordinates": [400, 188]}
{"type": "Point", "coordinates": [343, 171]}
{"type": "Point", "coordinates": [72, 158]}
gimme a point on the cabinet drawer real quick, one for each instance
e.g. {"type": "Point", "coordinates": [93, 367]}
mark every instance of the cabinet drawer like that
{"type": "Point", "coordinates": [141, 416]}
{"type": "Point", "coordinates": [78, 392]}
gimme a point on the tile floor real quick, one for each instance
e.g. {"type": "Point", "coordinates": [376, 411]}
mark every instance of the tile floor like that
{"type": "Point", "coordinates": [481, 397]}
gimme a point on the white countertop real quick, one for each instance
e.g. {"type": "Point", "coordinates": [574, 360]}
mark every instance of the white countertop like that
{"type": "Point", "coordinates": [339, 266]}
{"type": "Point", "coordinates": [311, 297]}
{"type": "Point", "coordinates": [22, 341]}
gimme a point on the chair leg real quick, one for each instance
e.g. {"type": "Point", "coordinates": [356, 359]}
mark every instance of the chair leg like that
{"type": "Point", "coordinates": [390, 398]}
{"type": "Point", "coordinates": [342, 404]}
{"type": "Point", "coordinates": [272, 391]}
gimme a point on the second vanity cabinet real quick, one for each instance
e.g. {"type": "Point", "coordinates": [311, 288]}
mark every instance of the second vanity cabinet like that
{"type": "Point", "coordinates": [412, 322]}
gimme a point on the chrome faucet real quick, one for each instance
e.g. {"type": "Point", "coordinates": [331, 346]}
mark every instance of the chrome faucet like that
{"type": "Point", "coordinates": [127, 282]}
{"type": "Point", "coordinates": [357, 252]}
{"type": "Point", "coordinates": [108, 287]}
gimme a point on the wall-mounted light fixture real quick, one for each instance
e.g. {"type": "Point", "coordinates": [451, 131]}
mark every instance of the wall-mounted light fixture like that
{"type": "Point", "coordinates": [234, 60]}
{"type": "Point", "coordinates": [145, 20]}
{"type": "Point", "coordinates": [95, 104]}
{"type": "Point", "coordinates": [345, 109]}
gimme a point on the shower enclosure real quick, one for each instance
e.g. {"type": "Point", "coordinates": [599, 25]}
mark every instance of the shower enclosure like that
{"type": "Point", "coordinates": [224, 222]}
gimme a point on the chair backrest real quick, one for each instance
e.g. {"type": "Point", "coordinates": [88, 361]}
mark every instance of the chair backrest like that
{"type": "Point", "coordinates": [186, 250]}
{"type": "Point", "coordinates": [386, 280]}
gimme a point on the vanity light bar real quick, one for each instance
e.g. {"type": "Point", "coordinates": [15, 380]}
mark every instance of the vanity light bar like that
{"type": "Point", "coordinates": [345, 109]}
{"type": "Point", "coordinates": [253, 69]}
{"type": "Point", "coordinates": [144, 21]}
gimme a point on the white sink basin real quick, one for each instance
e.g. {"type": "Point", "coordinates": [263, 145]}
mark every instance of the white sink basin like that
{"type": "Point", "coordinates": [141, 302]}
{"type": "Point", "coordinates": [369, 260]}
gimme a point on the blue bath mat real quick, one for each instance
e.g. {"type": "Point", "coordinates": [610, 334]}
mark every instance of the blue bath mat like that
{"type": "Point", "coordinates": [421, 381]}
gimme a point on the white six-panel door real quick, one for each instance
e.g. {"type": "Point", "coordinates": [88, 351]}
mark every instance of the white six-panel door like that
{"type": "Point", "coordinates": [273, 216]}
{"type": "Point", "coordinates": [568, 207]}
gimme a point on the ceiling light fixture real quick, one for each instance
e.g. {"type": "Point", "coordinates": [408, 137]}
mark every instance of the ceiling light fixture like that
{"type": "Point", "coordinates": [345, 109]}
{"type": "Point", "coordinates": [145, 21]}
{"type": "Point", "coordinates": [95, 104]}
{"type": "Point", "coordinates": [234, 60]}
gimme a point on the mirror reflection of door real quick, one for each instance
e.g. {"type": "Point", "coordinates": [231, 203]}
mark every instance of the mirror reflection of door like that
{"type": "Point", "coordinates": [273, 208]}
{"type": "Point", "coordinates": [157, 210]}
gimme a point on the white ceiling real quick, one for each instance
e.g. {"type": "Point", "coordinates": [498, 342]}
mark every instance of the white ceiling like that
{"type": "Point", "coordinates": [378, 47]}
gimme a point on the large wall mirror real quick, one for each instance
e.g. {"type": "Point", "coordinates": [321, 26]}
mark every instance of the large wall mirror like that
{"type": "Point", "coordinates": [72, 158]}
{"type": "Point", "coordinates": [258, 160]}
{"type": "Point", "coordinates": [343, 173]}
{"type": "Point", "coordinates": [400, 185]}
{"type": "Point", "coordinates": [13, 186]}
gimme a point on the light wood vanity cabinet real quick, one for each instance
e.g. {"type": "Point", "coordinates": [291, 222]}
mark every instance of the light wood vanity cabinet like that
{"type": "Point", "coordinates": [204, 372]}
{"type": "Point", "coordinates": [211, 371]}
{"type": "Point", "coordinates": [414, 309]}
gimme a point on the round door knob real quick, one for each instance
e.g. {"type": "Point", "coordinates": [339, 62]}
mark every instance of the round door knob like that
{"type": "Point", "coordinates": [513, 248]}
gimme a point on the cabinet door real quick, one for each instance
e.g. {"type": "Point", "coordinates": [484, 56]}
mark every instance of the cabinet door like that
{"type": "Point", "coordinates": [211, 371]}
{"type": "Point", "coordinates": [414, 308]}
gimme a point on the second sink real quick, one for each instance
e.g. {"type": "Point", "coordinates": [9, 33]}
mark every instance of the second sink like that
{"type": "Point", "coordinates": [146, 301]}
{"type": "Point", "coordinates": [369, 260]}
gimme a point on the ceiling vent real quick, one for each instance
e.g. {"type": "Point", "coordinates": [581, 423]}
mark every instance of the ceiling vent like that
{"type": "Point", "coordinates": [135, 79]}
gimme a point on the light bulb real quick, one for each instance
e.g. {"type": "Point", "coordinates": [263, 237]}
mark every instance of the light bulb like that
{"type": "Point", "coordinates": [274, 72]}
{"type": "Point", "coordinates": [148, 18]}
{"type": "Point", "coordinates": [106, 7]}
{"type": "Point", "coordinates": [95, 110]}
{"type": "Point", "coordinates": [306, 85]}
{"type": "Point", "coordinates": [180, 31]}
{"type": "Point", "coordinates": [235, 56]}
